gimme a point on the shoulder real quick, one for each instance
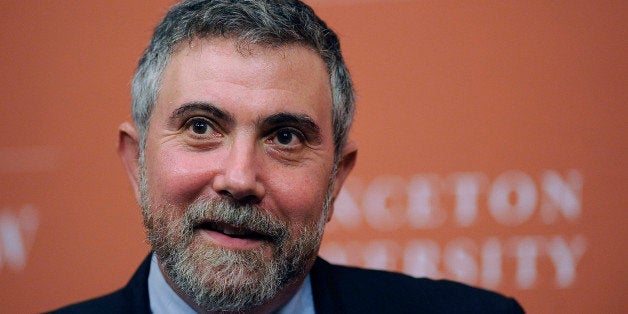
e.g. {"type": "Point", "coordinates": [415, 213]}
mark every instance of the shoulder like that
{"type": "Point", "coordinates": [115, 302]}
{"type": "Point", "coordinates": [133, 298]}
{"type": "Point", "coordinates": [376, 291]}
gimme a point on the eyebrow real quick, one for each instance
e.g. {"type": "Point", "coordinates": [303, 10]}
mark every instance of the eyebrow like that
{"type": "Point", "coordinates": [304, 122]}
{"type": "Point", "coordinates": [200, 106]}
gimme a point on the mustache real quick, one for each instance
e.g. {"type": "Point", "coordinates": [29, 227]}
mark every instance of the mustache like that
{"type": "Point", "coordinates": [243, 216]}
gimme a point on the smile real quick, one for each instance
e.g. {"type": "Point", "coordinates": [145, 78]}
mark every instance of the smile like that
{"type": "Point", "coordinates": [230, 236]}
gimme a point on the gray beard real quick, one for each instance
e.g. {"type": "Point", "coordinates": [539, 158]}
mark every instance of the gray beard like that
{"type": "Point", "coordinates": [220, 279]}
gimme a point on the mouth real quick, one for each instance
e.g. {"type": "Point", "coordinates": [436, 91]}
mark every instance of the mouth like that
{"type": "Point", "coordinates": [232, 235]}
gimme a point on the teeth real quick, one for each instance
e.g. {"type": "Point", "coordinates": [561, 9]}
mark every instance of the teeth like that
{"type": "Point", "coordinates": [228, 230]}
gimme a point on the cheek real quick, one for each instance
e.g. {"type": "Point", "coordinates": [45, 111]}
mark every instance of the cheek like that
{"type": "Point", "coordinates": [300, 197]}
{"type": "Point", "coordinates": [177, 178]}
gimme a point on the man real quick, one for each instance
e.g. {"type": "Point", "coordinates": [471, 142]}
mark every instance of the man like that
{"type": "Point", "coordinates": [239, 146]}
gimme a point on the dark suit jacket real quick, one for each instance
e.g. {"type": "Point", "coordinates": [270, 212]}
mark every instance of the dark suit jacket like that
{"type": "Point", "coordinates": [339, 289]}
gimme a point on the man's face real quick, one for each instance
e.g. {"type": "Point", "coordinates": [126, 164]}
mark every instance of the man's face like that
{"type": "Point", "coordinates": [238, 169]}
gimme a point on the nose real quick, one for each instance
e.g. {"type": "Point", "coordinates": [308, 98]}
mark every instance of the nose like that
{"type": "Point", "coordinates": [238, 178]}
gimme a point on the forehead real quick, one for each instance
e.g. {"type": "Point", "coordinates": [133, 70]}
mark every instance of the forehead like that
{"type": "Point", "coordinates": [290, 76]}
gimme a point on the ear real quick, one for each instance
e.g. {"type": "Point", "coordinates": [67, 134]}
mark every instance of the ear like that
{"type": "Point", "coordinates": [129, 153]}
{"type": "Point", "coordinates": [345, 165]}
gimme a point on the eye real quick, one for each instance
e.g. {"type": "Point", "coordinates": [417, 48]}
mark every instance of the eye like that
{"type": "Point", "coordinates": [284, 137]}
{"type": "Point", "coordinates": [199, 126]}
{"type": "Point", "coordinates": [200, 132]}
{"type": "Point", "coordinates": [287, 137]}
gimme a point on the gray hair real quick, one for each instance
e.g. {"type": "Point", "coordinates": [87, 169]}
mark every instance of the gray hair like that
{"type": "Point", "coordinates": [249, 22]}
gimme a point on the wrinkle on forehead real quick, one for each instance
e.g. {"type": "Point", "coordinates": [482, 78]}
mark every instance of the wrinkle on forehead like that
{"type": "Point", "coordinates": [265, 68]}
{"type": "Point", "coordinates": [255, 59]}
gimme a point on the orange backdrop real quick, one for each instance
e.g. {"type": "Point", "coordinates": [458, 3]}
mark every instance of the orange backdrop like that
{"type": "Point", "coordinates": [491, 137]}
